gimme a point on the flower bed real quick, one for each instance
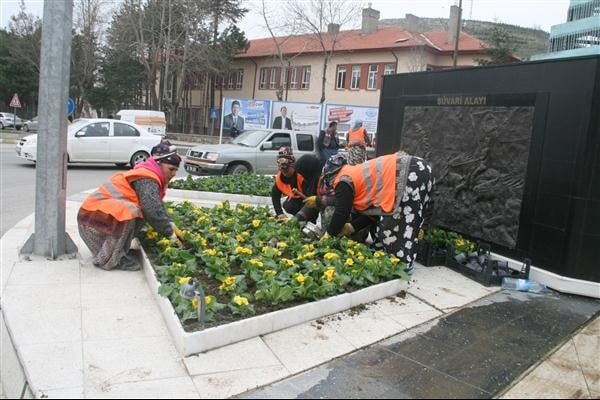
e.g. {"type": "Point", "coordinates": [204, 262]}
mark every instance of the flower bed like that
{"type": "Point", "coordinates": [250, 264]}
{"type": "Point", "coordinates": [249, 184]}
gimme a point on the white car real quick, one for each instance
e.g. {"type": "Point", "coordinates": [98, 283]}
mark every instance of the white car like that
{"type": "Point", "coordinates": [99, 141]}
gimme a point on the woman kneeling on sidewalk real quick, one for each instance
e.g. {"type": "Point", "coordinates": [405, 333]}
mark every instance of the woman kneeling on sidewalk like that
{"type": "Point", "coordinates": [113, 214]}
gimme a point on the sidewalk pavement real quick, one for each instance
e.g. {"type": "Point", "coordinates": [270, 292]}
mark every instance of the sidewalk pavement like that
{"type": "Point", "coordinates": [79, 331]}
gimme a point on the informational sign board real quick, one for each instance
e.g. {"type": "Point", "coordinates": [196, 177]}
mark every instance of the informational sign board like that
{"type": "Point", "coordinates": [347, 115]}
{"type": "Point", "coordinates": [243, 114]}
{"type": "Point", "coordinates": [70, 107]}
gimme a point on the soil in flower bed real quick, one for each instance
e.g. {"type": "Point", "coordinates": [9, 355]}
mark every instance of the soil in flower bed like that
{"type": "Point", "coordinates": [250, 264]}
{"type": "Point", "coordinates": [247, 184]}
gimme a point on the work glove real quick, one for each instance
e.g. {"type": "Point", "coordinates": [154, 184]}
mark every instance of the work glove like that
{"type": "Point", "coordinates": [282, 218]}
{"type": "Point", "coordinates": [310, 202]}
{"type": "Point", "coordinates": [421, 234]}
{"type": "Point", "coordinates": [347, 230]}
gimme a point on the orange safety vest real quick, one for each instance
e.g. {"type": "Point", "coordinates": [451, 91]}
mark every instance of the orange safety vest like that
{"type": "Point", "coordinates": [286, 188]}
{"type": "Point", "coordinates": [117, 198]}
{"type": "Point", "coordinates": [374, 182]}
{"type": "Point", "coordinates": [357, 136]}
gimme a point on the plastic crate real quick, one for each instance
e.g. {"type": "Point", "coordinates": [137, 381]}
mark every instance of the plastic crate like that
{"type": "Point", "coordinates": [483, 268]}
{"type": "Point", "coordinates": [430, 255]}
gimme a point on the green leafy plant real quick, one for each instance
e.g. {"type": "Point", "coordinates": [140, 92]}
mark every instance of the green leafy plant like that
{"type": "Point", "coordinates": [242, 254]}
{"type": "Point", "coordinates": [248, 184]}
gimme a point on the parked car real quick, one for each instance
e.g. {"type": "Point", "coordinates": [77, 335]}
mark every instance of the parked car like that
{"type": "Point", "coordinates": [252, 151]}
{"type": "Point", "coordinates": [10, 120]}
{"type": "Point", "coordinates": [99, 141]}
{"type": "Point", "coordinates": [31, 126]}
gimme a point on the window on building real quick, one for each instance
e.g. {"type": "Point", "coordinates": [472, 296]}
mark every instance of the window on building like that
{"type": "Point", "coordinates": [372, 82]}
{"type": "Point", "coordinates": [239, 79]}
{"type": "Point", "coordinates": [341, 77]}
{"type": "Point", "coordinates": [273, 82]}
{"type": "Point", "coordinates": [262, 83]}
{"type": "Point", "coordinates": [389, 69]}
{"type": "Point", "coordinates": [284, 76]}
{"type": "Point", "coordinates": [306, 78]}
{"type": "Point", "coordinates": [355, 84]}
{"type": "Point", "coordinates": [294, 78]}
{"type": "Point", "coordinates": [231, 81]}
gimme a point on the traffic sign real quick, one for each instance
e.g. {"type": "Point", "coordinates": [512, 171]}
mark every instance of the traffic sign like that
{"type": "Point", "coordinates": [214, 113]}
{"type": "Point", "coordinates": [15, 101]}
{"type": "Point", "coordinates": [70, 107]}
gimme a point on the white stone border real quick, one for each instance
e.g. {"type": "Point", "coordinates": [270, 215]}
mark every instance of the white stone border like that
{"type": "Point", "coordinates": [196, 342]}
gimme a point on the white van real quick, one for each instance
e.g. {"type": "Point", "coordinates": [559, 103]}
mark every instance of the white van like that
{"type": "Point", "coordinates": [153, 121]}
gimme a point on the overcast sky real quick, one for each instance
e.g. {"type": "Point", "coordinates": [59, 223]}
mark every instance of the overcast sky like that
{"type": "Point", "coordinates": [527, 13]}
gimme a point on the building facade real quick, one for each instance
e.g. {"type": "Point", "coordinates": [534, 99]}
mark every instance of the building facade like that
{"type": "Point", "coordinates": [356, 68]}
{"type": "Point", "coordinates": [579, 36]}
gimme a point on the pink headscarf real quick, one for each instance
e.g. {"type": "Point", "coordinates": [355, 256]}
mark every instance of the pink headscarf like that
{"type": "Point", "coordinates": [151, 165]}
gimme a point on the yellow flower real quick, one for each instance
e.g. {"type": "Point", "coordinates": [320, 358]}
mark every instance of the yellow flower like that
{"type": "Point", "coordinates": [245, 233]}
{"type": "Point", "coordinates": [378, 254]}
{"type": "Point", "coordinates": [270, 272]}
{"type": "Point", "coordinates": [240, 301]}
{"type": "Point", "coordinates": [330, 256]}
{"type": "Point", "coordinates": [282, 245]}
{"type": "Point", "coordinates": [212, 229]}
{"type": "Point", "coordinates": [351, 242]}
{"type": "Point", "coordinates": [164, 242]}
{"type": "Point", "coordinates": [208, 299]}
{"type": "Point", "coordinates": [287, 262]}
{"type": "Point", "coordinates": [228, 221]}
{"type": "Point", "coordinates": [151, 234]}
{"type": "Point", "coordinates": [309, 247]}
{"type": "Point", "coordinates": [170, 211]}
{"type": "Point", "coordinates": [243, 250]}
{"type": "Point", "coordinates": [228, 284]}
{"type": "Point", "coordinates": [230, 280]}
{"type": "Point", "coordinates": [256, 262]}
{"type": "Point", "coordinates": [195, 303]}
{"type": "Point", "coordinates": [472, 246]}
{"type": "Point", "coordinates": [349, 261]}
{"type": "Point", "coordinates": [221, 236]}
{"type": "Point", "coordinates": [201, 219]}
{"type": "Point", "coordinates": [240, 238]}
{"type": "Point", "coordinates": [329, 274]}
{"type": "Point", "coordinates": [300, 257]}
{"type": "Point", "coordinates": [202, 242]}
{"type": "Point", "coordinates": [459, 242]}
{"type": "Point", "coordinates": [169, 250]}
{"type": "Point", "coordinates": [183, 280]}
{"type": "Point", "coordinates": [210, 252]}
{"type": "Point", "coordinates": [265, 249]}
{"type": "Point", "coordinates": [394, 260]}
{"type": "Point", "coordinates": [361, 257]}
{"type": "Point", "coordinates": [256, 223]}
{"type": "Point", "coordinates": [310, 254]}
{"type": "Point", "coordinates": [300, 279]}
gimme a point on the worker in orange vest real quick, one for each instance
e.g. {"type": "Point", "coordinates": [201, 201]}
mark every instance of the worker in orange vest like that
{"type": "Point", "coordinates": [112, 215]}
{"type": "Point", "coordinates": [396, 187]}
{"type": "Point", "coordinates": [357, 141]}
{"type": "Point", "coordinates": [296, 180]}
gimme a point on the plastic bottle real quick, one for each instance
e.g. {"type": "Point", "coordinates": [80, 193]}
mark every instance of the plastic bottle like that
{"type": "Point", "coordinates": [523, 285]}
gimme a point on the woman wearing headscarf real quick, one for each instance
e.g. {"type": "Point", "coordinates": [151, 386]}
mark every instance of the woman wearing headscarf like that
{"type": "Point", "coordinates": [296, 180]}
{"type": "Point", "coordinates": [357, 141]}
{"type": "Point", "coordinates": [113, 214]}
{"type": "Point", "coordinates": [396, 187]}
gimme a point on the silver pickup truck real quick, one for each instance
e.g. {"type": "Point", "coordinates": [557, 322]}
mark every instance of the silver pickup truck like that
{"type": "Point", "coordinates": [252, 151]}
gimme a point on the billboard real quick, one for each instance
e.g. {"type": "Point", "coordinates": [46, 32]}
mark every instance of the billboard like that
{"type": "Point", "coordinates": [243, 114]}
{"type": "Point", "coordinates": [346, 115]}
{"type": "Point", "coordinates": [295, 115]}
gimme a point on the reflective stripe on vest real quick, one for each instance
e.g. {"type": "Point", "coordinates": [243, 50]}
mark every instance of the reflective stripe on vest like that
{"type": "Point", "coordinates": [357, 136]}
{"type": "Point", "coordinates": [286, 188]}
{"type": "Point", "coordinates": [117, 198]}
{"type": "Point", "coordinates": [374, 182]}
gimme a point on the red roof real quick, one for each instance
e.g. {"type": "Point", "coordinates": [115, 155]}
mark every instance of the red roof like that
{"type": "Point", "coordinates": [354, 40]}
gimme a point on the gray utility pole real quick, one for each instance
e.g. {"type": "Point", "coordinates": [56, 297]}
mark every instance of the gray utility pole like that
{"type": "Point", "coordinates": [457, 41]}
{"type": "Point", "coordinates": [49, 238]}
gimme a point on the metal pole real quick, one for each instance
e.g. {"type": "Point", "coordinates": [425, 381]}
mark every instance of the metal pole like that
{"type": "Point", "coordinates": [50, 238]}
{"type": "Point", "coordinates": [457, 41]}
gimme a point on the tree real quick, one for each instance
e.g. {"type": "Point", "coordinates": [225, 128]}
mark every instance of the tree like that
{"type": "Point", "coordinates": [323, 20]}
{"type": "Point", "coordinates": [502, 46]}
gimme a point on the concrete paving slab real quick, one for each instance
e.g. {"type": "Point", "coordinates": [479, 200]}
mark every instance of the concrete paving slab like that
{"type": "Point", "coordinates": [53, 365]}
{"type": "Point", "coordinates": [231, 383]}
{"type": "Point", "coordinates": [169, 388]}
